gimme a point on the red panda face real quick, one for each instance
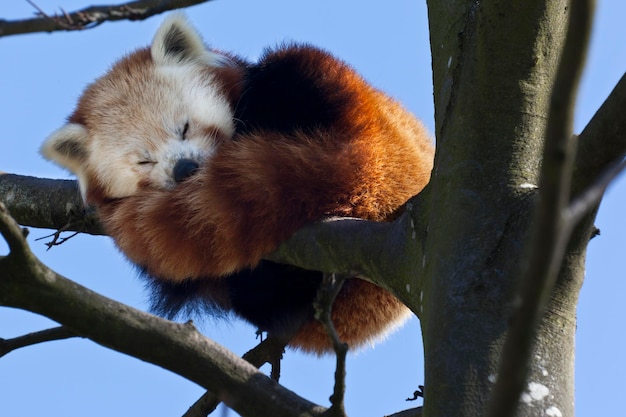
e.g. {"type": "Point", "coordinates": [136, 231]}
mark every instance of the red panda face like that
{"type": "Point", "coordinates": [151, 121]}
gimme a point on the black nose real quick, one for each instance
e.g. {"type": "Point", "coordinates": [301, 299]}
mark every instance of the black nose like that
{"type": "Point", "coordinates": [184, 169]}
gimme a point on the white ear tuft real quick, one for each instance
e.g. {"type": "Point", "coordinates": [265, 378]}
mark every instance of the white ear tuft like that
{"type": "Point", "coordinates": [176, 41]}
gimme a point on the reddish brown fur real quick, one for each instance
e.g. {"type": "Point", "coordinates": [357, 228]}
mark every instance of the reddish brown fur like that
{"type": "Point", "coordinates": [257, 192]}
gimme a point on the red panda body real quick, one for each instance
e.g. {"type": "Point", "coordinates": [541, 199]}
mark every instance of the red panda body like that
{"type": "Point", "coordinates": [200, 163]}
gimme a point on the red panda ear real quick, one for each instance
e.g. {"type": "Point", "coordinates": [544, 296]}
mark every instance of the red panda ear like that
{"type": "Point", "coordinates": [176, 42]}
{"type": "Point", "coordinates": [67, 147]}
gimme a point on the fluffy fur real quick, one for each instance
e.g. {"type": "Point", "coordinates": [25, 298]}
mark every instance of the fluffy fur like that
{"type": "Point", "coordinates": [200, 163]}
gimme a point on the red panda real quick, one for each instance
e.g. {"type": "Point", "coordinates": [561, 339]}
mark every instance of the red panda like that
{"type": "Point", "coordinates": [200, 163]}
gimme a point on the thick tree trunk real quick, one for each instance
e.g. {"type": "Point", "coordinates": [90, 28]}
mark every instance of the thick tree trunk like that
{"type": "Point", "coordinates": [494, 64]}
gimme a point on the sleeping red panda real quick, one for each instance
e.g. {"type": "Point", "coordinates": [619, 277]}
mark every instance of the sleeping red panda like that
{"type": "Point", "coordinates": [200, 163]}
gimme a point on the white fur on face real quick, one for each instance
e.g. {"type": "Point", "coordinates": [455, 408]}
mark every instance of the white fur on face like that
{"type": "Point", "coordinates": [152, 109]}
{"type": "Point", "coordinates": [167, 117]}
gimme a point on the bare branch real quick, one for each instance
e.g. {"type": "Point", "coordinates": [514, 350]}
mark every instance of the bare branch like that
{"type": "Point", "coordinates": [204, 406]}
{"type": "Point", "coordinates": [91, 17]}
{"type": "Point", "coordinates": [603, 141]}
{"type": "Point", "coordinates": [550, 233]}
{"type": "Point", "coordinates": [268, 351]}
{"type": "Point", "coordinates": [419, 393]}
{"type": "Point", "coordinates": [28, 284]}
{"type": "Point", "coordinates": [47, 203]}
{"type": "Point", "coordinates": [329, 288]}
{"type": "Point", "coordinates": [590, 198]}
{"type": "Point", "coordinates": [57, 239]}
{"type": "Point", "coordinates": [56, 333]}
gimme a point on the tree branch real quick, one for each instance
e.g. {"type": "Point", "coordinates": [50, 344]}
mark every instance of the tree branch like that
{"type": "Point", "coordinates": [330, 287]}
{"type": "Point", "coordinates": [56, 333]}
{"type": "Point", "coordinates": [204, 406]}
{"type": "Point", "coordinates": [47, 203]}
{"type": "Point", "coordinates": [28, 284]}
{"type": "Point", "coordinates": [550, 233]}
{"type": "Point", "coordinates": [602, 142]}
{"type": "Point", "coordinates": [591, 197]}
{"type": "Point", "coordinates": [365, 249]}
{"type": "Point", "coordinates": [342, 245]}
{"type": "Point", "coordinates": [268, 351]}
{"type": "Point", "coordinates": [91, 17]}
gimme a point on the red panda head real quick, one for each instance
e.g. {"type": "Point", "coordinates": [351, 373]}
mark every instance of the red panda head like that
{"type": "Point", "coordinates": [153, 119]}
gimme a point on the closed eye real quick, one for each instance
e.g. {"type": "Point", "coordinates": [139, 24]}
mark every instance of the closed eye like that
{"type": "Point", "coordinates": [145, 158]}
{"type": "Point", "coordinates": [185, 130]}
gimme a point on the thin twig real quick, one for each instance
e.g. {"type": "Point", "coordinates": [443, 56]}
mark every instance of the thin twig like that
{"type": "Point", "coordinates": [204, 406]}
{"type": "Point", "coordinates": [56, 238]}
{"type": "Point", "coordinates": [550, 233]}
{"type": "Point", "coordinates": [40, 11]}
{"type": "Point", "coordinates": [583, 203]}
{"type": "Point", "coordinates": [269, 350]}
{"type": "Point", "coordinates": [329, 288]}
{"type": "Point", "coordinates": [90, 17]}
{"type": "Point", "coordinates": [419, 393]}
{"type": "Point", "coordinates": [55, 333]}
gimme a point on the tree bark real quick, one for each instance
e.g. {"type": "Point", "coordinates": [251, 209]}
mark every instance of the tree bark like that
{"type": "Point", "coordinates": [494, 65]}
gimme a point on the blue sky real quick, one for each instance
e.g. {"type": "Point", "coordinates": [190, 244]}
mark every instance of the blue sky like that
{"type": "Point", "coordinates": [42, 75]}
